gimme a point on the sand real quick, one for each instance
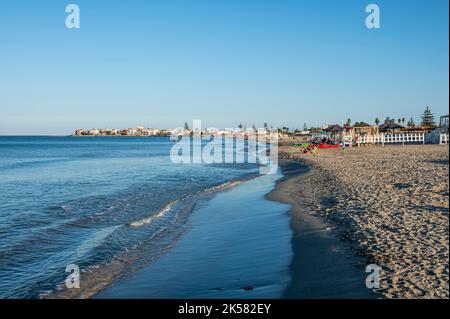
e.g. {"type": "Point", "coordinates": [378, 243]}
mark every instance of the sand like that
{"type": "Point", "coordinates": [322, 266]}
{"type": "Point", "coordinates": [390, 205]}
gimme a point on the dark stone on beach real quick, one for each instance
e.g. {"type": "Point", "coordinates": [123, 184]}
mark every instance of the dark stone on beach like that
{"type": "Point", "coordinates": [401, 185]}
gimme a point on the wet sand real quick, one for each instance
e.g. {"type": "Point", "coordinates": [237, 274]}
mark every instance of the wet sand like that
{"type": "Point", "coordinates": [244, 244]}
{"type": "Point", "coordinates": [237, 245]}
{"type": "Point", "coordinates": [388, 204]}
{"type": "Point", "coordinates": [322, 265]}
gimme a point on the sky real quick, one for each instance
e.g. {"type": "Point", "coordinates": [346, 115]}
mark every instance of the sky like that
{"type": "Point", "coordinates": [225, 62]}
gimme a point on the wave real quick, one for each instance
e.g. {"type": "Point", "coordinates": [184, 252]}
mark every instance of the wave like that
{"type": "Point", "coordinates": [223, 186]}
{"type": "Point", "coordinates": [34, 163]}
{"type": "Point", "coordinates": [170, 205]}
{"type": "Point", "coordinates": [158, 215]}
{"type": "Point", "coordinates": [97, 277]}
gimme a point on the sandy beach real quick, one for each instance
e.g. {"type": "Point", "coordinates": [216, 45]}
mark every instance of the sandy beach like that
{"type": "Point", "coordinates": [389, 205]}
{"type": "Point", "coordinates": [322, 266]}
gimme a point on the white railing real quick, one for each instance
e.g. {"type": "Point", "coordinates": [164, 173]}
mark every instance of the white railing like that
{"type": "Point", "coordinates": [433, 138]}
{"type": "Point", "coordinates": [391, 138]}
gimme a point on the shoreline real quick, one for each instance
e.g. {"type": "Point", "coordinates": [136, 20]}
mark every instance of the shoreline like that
{"type": "Point", "coordinates": [322, 265]}
{"type": "Point", "coordinates": [389, 205]}
{"type": "Point", "coordinates": [228, 251]}
{"type": "Point", "coordinates": [127, 263]}
{"type": "Point", "coordinates": [329, 251]}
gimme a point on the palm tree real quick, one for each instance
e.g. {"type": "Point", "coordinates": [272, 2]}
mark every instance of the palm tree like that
{"type": "Point", "coordinates": [349, 121]}
{"type": "Point", "coordinates": [377, 121]}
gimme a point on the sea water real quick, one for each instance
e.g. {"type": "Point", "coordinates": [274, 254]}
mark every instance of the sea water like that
{"type": "Point", "coordinates": [238, 246]}
{"type": "Point", "coordinates": [114, 203]}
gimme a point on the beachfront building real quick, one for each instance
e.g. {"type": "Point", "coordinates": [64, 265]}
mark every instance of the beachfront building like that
{"type": "Point", "coordinates": [439, 135]}
{"type": "Point", "coordinates": [109, 132]}
{"type": "Point", "coordinates": [227, 133]}
{"type": "Point", "coordinates": [82, 132]}
{"type": "Point", "coordinates": [353, 134]}
{"type": "Point", "coordinates": [94, 132]}
{"type": "Point", "coordinates": [363, 129]}
{"type": "Point", "coordinates": [139, 131]}
{"type": "Point", "coordinates": [333, 129]}
{"type": "Point", "coordinates": [391, 127]}
{"type": "Point", "coordinates": [154, 131]}
{"type": "Point", "coordinates": [334, 132]}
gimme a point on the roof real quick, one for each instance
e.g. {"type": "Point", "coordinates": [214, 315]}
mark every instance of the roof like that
{"type": "Point", "coordinates": [362, 124]}
{"type": "Point", "coordinates": [390, 126]}
{"type": "Point", "coordinates": [333, 128]}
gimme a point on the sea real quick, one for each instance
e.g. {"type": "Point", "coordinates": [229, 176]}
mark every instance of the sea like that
{"type": "Point", "coordinates": [134, 223]}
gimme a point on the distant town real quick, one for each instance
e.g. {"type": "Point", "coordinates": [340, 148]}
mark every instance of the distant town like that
{"type": "Point", "coordinates": [138, 131]}
{"type": "Point", "coordinates": [388, 126]}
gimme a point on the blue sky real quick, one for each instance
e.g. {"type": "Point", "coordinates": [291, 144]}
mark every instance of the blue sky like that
{"type": "Point", "coordinates": [161, 63]}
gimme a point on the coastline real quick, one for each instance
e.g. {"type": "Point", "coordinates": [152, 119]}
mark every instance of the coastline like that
{"type": "Point", "coordinates": [322, 265]}
{"type": "Point", "coordinates": [228, 251]}
{"type": "Point", "coordinates": [97, 278]}
{"type": "Point", "coordinates": [329, 249]}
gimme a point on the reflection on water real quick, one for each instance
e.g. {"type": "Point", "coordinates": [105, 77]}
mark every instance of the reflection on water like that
{"type": "Point", "coordinates": [101, 203]}
{"type": "Point", "coordinates": [238, 246]}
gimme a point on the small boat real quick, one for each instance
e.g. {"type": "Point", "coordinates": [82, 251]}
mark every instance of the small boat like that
{"type": "Point", "coordinates": [328, 145]}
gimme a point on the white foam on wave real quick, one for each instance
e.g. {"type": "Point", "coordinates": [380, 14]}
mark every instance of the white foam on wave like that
{"type": "Point", "coordinates": [168, 207]}
{"type": "Point", "coordinates": [222, 186]}
{"type": "Point", "coordinates": [115, 267]}
{"type": "Point", "coordinates": [158, 215]}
